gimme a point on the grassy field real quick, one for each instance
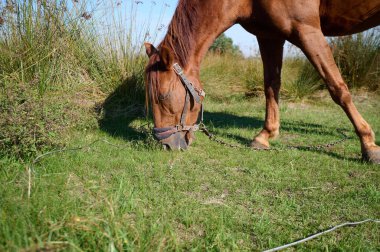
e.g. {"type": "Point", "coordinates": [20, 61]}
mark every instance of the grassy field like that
{"type": "Point", "coordinates": [69, 86]}
{"type": "Point", "coordinates": [124, 193]}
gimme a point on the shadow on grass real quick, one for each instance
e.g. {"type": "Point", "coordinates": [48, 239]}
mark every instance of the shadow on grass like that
{"type": "Point", "coordinates": [122, 107]}
{"type": "Point", "coordinates": [223, 120]}
{"type": "Point", "coordinates": [341, 157]}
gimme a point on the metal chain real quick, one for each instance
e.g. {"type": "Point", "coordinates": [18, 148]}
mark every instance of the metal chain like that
{"type": "Point", "coordinates": [213, 138]}
{"type": "Point", "coordinates": [344, 138]}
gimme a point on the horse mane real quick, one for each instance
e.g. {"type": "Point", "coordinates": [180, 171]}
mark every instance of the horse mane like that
{"type": "Point", "coordinates": [181, 31]}
{"type": "Point", "coordinates": [180, 37]}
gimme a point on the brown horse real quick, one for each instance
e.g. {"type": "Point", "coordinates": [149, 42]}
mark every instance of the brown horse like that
{"type": "Point", "coordinates": [176, 96]}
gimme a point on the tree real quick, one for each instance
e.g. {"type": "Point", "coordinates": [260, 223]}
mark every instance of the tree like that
{"type": "Point", "coordinates": [223, 45]}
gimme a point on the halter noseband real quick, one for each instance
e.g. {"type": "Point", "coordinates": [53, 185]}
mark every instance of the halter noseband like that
{"type": "Point", "coordinates": [163, 133]}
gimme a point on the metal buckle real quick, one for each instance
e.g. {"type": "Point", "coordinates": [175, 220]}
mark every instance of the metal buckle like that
{"type": "Point", "coordinates": [179, 127]}
{"type": "Point", "coordinates": [202, 93]}
{"type": "Point", "coordinates": [195, 127]}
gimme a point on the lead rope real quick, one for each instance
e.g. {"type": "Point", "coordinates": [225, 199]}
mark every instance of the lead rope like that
{"type": "Point", "coordinates": [321, 233]}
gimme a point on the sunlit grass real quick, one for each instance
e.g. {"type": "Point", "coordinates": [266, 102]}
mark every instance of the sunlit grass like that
{"type": "Point", "coordinates": [126, 194]}
{"type": "Point", "coordinates": [68, 55]}
{"type": "Point", "coordinates": [68, 80]}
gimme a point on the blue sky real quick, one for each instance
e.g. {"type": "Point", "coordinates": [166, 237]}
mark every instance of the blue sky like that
{"type": "Point", "coordinates": [149, 15]}
{"type": "Point", "coordinates": [246, 41]}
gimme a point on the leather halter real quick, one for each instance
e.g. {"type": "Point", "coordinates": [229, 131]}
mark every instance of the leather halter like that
{"type": "Point", "coordinates": [163, 133]}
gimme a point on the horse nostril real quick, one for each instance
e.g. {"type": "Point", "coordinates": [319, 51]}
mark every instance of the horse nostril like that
{"type": "Point", "coordinates": [175, 142]}
{"type": "Point", "coordinates": [190, 137]}
{"type": "Point", "coordinates": [183, 143]}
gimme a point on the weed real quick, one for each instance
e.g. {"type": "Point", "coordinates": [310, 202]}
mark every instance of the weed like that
{"type": "Point", "coordinates": [307, 80]}
{"type": "Point", "coordinates": [63, 47]}
{"type": "Point", "coordinates": [358, 59]}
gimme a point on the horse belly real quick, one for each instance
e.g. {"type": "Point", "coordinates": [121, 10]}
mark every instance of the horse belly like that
{"type": "Point", "coordinates": [344, 17]}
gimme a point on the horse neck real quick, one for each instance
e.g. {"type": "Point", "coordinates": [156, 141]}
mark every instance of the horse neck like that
{"type": "Point", "coordinates": [193, 29]}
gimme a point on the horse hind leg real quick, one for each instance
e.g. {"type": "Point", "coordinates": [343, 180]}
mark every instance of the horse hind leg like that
{"type": "Point", "coordinates": [313, 43]}
{"type": "Point", "coordinates": [271, 53]}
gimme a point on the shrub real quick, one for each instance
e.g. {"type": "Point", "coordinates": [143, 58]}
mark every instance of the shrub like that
{"type": "Point", "coordinates": [27, 125]}
{"type": "Point", "coordinates": [254, 77]}
{"type": "Point", "coordinates": [229, 72]}
{"type": "Point", "coordinates": [358, 60]}
{"type": "Point", "coordinates": [305, 80]}
{"type": "Point", "coordinates": [224, 45]}
{"type": "Point", "coordinates": [53, 50]}
{"type": "Point", "coordinates": [357, 57]}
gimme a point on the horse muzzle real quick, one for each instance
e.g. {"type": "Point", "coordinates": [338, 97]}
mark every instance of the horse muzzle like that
{"type": "Point", "coordinates": [174, 139]}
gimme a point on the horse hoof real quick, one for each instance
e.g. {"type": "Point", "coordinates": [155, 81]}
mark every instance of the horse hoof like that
{"type": "Point", "coordinates": [372, 156]}
{"type": "Point", "coordinates": [257, 145]}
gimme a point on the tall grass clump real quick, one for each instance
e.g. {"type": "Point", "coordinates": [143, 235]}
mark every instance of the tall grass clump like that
{"type": "Point", "coordinates": [225, 68]}
{"type": "Point", "coordinates": [230, 76]}
{"type": "Point", "coordinates": [358, 60]}
{"type": "Point", "coordinates": [55, 55]}
{"type": "Point", "coordinates": [34, 42]}
{"type": "Point", "coordinates": [303, 82]}
{"type": "Point", "coordinates": [254, 77]}
{"type": "Point", "coordinates": [357, 57]}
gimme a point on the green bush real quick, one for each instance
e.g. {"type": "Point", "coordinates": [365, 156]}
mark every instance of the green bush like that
{"type": "Point", "coordinates": [357, 57]}
{"type": "Point", "coordinates": [230, 72]}
{"type": "Point", "coordinates": [52, 54]}
{"type": "Point", "coordinates": [27, 125]}
{"type": "Point", "coordinates": [358, 60]}
{"type": "Point", "coordinates": [305, 81]}
{"type": "Point", "coordinates": [224, 45]}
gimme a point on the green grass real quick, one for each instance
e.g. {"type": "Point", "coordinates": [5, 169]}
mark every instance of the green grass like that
{"type": "Point", "coordinates": [357, 57]}
{"type": "Point", "coordinates": [138, 197]}
{"type": "Point", "coordinates": [123, 192]}
{"type": "Point", "coordinates": [60, 54]}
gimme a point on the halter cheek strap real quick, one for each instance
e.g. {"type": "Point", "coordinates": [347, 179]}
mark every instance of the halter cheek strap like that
{"type": "Point", "coordinates": [163, 133]}
{"type": "Point", "coordinates": [196, 94]}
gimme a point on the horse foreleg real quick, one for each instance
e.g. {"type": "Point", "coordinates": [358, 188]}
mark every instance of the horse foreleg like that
{"type": "Point", "coordinates": [313, 43]}
{"type": "Point", "coordinates": [271, 53]}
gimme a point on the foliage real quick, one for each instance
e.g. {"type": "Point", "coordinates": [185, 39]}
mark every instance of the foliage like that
{"type": "Point", "coordinates": [306, 82]}
{"type": "Point", "coordinates": [232, 72]}
{"type": "Point", "coordinates": [224, 45]}
{"type": "Point", "coordinates": [254, 77]}
{"type": "Point", "coordinates": [26, 124]}
{"type": "Point", "coordinates": [49, 47]}
{"type": "Point", "coordinates": [358, 58]}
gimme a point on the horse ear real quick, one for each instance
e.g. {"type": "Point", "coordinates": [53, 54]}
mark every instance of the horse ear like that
{"type": "Point", "coordinates": [167, 57]}
{"type": "Point", "coordinates": [150, 49]}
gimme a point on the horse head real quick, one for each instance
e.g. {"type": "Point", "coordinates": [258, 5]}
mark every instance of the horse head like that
{"type": "Point", "coordinates": [175, 98]}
